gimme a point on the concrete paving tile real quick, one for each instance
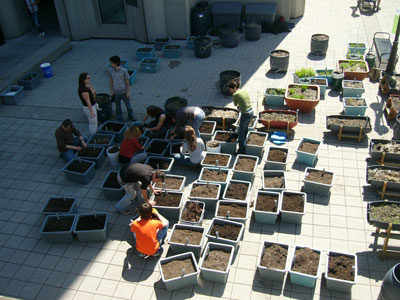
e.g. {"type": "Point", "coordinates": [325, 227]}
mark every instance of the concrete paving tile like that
{"type": "Point", "coordinates": [31, 291]}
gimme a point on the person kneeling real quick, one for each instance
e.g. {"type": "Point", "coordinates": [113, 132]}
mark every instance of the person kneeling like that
{"type": "Point", "coordinates": [149, 234]}
{"type": "Point", "coordinates": [194, 145]}
{"type": "Point", "coordinates": [131, 151]}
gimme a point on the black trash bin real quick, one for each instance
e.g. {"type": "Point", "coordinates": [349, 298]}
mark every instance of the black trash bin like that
{"type": "Point", "coordinates": [105, 107]}
{"type": "Point", "coordinates": [2, 39]}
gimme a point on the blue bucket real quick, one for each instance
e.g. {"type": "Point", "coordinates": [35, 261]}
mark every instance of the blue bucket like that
{"type": "Point", "coordinates": [46, 69]}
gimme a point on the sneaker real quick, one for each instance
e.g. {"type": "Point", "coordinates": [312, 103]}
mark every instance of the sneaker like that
{"type": "Point", "coordinates": [158, 253]}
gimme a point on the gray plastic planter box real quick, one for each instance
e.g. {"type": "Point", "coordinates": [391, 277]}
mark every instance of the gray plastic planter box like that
{"type": "Point", "coordinates": [250, 128]}
{"type": "Point", "coordinates": [99, 160]}
{"type": "Point", "coordinates": [169, 211]}
{"type": "Point", "coordinates": [160, 185]}
{"type": "Point", "coordinates": [83, 178]}
{"type": "Point", "coordinates": [160, 42]}
{"type": "Point", "coordinates": [12, 95]}
{"type": "Point", "coordinates": [256, 150]}
{"type": "Point", "coordinates": [226, 147]}
{"type": "Point", "coordinates": [244, 175]}
{"type": "Point", "coordinates": [306, 157]}
{"type": "Point", "coordinates": [275, 165]}
{"type": "Point", "coordinates": [316, 187]}
{"type": "Point", "coordinates": [292, 216]}
{"type": "Point", "coordinates": [272, 274]}
{"type": "Point", "coordinates": [94, 235]}
{"type": "Point", "coordinates": [351, 91]}
{"type": "Point", "coordinates": [150, 65]}
{"type": "Point", "coordinates": [226, 166]}
{"type": "Point", "coordinates": [273, 173]}
{"type": "Point", "coordinates": [95, 138]}
{"type": "Point", "coordinates": [164, 144]}
{"type": "Point", "coordinates": [302, 278]}
{"type": "Point", "coordinates": [231, 218]}
{"type": "Point", "coordinates": [340, 285]}
{"type": "Point", "coordinates": [30, 80]}
{"type": "Point", "coordinates": [209, 202]}
{"type": "Point", "coordinates": [188, 247]}
{"type": "Point", "coordinates": [203, 207]}
{"type": "Point", "coordinates": [119, 135]}
{"type": "Point", "coordinates": [141, 54]}
{"type": "Point", "coordinates": [216, 275]}
{"type": "Point", "coordinates": [49, 211]}
{"type": "Point", "coordinates": [212, 238]}
{"type": "Point", "coordinates": [58, 236]}
{"type": "Point", "coordinates": [208, 136]}
{"type": "Point", "coordinates": [267, 217]}
{"type": "Point", "coordinates": [150, 161]}
{"type": "Point", "coordinates": [185, 279]}
{"type": "Point", "coordinates": [223, 184]}
{"type": "Point", "coordinates": [354, 110]}
{"type": "Point", "coordinates": [112, 193]}
{"type": "Point", "coordinates": [248, 183]}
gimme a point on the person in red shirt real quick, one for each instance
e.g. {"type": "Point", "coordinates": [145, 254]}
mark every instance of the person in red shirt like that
{"type": "Point", "coordinates": [148, 233]}
{"type": "Point", "coordinates": [130, 146]}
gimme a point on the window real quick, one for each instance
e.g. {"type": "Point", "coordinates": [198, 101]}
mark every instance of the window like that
{"type": "Point", "coordinates": [112, 11]}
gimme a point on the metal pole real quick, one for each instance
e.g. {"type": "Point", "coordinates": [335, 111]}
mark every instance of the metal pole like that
{"type": "Point", "coordinates": [392, 58]}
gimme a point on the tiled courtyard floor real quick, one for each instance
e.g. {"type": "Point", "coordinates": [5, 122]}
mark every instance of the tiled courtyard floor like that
{"type": "Point", "coordinates": [30, 170]}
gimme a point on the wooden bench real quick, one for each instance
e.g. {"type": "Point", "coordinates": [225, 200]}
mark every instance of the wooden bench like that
{"type": "Point", "coordinates": [383, 47]}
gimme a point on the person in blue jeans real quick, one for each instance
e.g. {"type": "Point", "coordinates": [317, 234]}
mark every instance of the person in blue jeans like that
{"type": "Point", "coordinates": [188, 115]}
{"type": "Point", "coordinates": [67, 144]}
{"type": "Point", "coordinates": [119, 87]}
{"type": "Point", "coordinates": [242, 100]}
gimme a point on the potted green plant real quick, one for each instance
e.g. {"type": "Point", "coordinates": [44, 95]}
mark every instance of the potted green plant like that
{"type": "Point", "coordinates": [317, 181]}
{"type": "Point", "coordinates": [304, 97]}
{"type": "Point", "coordinates": [266, 206]}
{"type": "Point", "coordinates": [30, 80]}
{"type": "Point", "coordinates": [244, 167]}
{"type": "Point", "coordinates": [358, 48]}
{"type": "Point", "coordinates": [354, 106]}
{"type": "Point", "coordinates": [187, 238]}
{"type": "Point", "coordinates": [341, 271]}
{"type": "Point", "coordinates": [273, 261]}
{"type": "Point", "coordinates": [274, 96]}
{"type": "Point", "coordinates": [353, 69]}
{"type": "Point", "coordinates": [111, 187]}
{"type": "Point", "coordinates": [58, 228]}
{"type": "Point", "coordinates": [303, 73]}
{"type": "Point", "coordinates": [305, 266]}
{"type": "Point", "coordinates": [91, 227]}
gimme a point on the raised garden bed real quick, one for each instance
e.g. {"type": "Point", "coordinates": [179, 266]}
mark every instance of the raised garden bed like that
{"type": "Point", "coordinates": [341, 271]}
{"type": "Point", "coordinates": [305, 266]}
{"type": "Point", "coordinates": [225, 232]}
{"type": "Point", "coordinates": [217, 114]}
{"type": "Point", "coordinates": [381, 213]}
{"type": "Point", "coordinates": [318, 181]}
{"type": "Point", "coordinates": [79, 170]}
{"type": "Point", "coordinates": [192, 213]}
{"type": "Point", "coordinates": [273, 261]}
{"type": "Point", "coordinates": [278, 118]}
{"type": "Point", "coordinates": [266, 206]}
{"type": "Point", "coordinates": [350, 124]}
{"type": "Point", "coordinates": [377, 175]}
{"type": "Point", "coordinates": [168, 203]}
{"type": "Point", "coordinates": [171, 183]}
{"type": "Point", "coordinates": [354, 69]}
{"type": "Point", "coordinates": [244, 167]}
{"type": "Point", "coordinates": [111, 187]}
{"type": "Point", "coordinates": [354, 106]}
{"type": "Point", "coordinates": [293, 207]}
{"type": "Point", "coordinates": [64, 205]}
{"type": "Point", "coordinates": [274, 180]}
{"type": "Point", "coordinates": [237, 190]}
{"type": "Point", "coordinates": [276, 158]}
{"type": "Point", "coordinates": [185, 237]}
{"type": "Point", "coordinates": [307, 151]}
{"type": "Point", "coordinates": [91, 227]}
{"type": "Point", "coordinates": [232, 210]}
{"type": "Point", "coordinates": [220, 160]}
{"type": "Point", "coordinates": [157, 147]}
{"type": "Point", "coordinates": [302, 97]}
{"type": "Point", "coordinates": [58, 228]}
{"type": "Point", "coordinates": [390, 148]}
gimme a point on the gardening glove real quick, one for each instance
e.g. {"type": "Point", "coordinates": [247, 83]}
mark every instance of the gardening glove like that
{"type": "Point", "coordinates": [154, 211]}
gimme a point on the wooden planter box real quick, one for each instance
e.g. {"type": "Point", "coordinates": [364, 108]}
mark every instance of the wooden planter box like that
{"type": "Point", "coordinates": [49, 210]}
{"type": "Point", "coordinates": [30, 80]}
{"type": "Point", "coordinates": [226, 166]}
{"type": "Point", "coordinates": [12, 95]}
{"type": "Point", "coordinates": [354, 75]}
{"type": "Point", "coordinates": [278, 123]}
{"type": "Point", "coordinates": [378, 223]}
{"type": "Point", "coordinates": [340, 285]}
{"type": "Point", "coordinates": [160, 186]}
{"type": "Point", "coordinates": [302, 278]}
{"type": "Point", "coordinates": [215, 239]}
{"type": "Point", "coordinates": [65, 236]}
{"type": "Point", "coordinates": [306, 157]}
{"type": "Point", "coordinates": [316, 187]}
{"type": "Point", "coordinates": [244, 175]}
{"type": "Point", "coordinates": [304, 105]}
{"type": "Point", "coordinates": [354, 110]}
{"type": "Point", "coordinates": [367, 128]}
{"type": "Point", "coordinates": [352, 91]}
{"type": "Point", "coordinates": [232, 181]}
{"type": "Point", "coordinates": [255, 150]}
{"type": "Point", "coordinates": [106, 128]}
{"type": "Point", "coordinates": [377, 155]}
{"type": "Point", "coordinates": [293, 216]}
{"type": "Point", "coordinates": [181, 248]}
{"type": "Point", "coordinates": [232, 218]}
{"type": "Point", "coordinates": [83, 178]}
{"type": "Point", "coordinates": [172, 51]}
{"type": "Point", "coordinates": [378, 184]}
{"type": "Point", "coordinates": [169, 211]}
{"type": "Point", "coordinates": [99, 160]}
{"type": "Point", "coordinates": [267, 217]}
{"type": "Point", "coordinates": [229, 121]}
{"type": "Point", "coordinates": [271, 173]}
{"type": "Point", "coordinates": [276, 165]}
{"type": "Point", "coordinates": [140, 53]}
{"type": "Point", "coordinates": [112, 193]}
{"type": "Point", "coordinates": [150, 65]}
{"type": "Point", "coordinates": [216, 275]}
{"type": "Point", "coordinates": [169, 160]}
{"type": "Point", "coordinates": [209, 202]}
{"type": "Point", "coordinates": [272, 274]}
{"type": "Point", "coordinates": [94, 140]}
{"type": "Point", "coordinates": [93, 235]}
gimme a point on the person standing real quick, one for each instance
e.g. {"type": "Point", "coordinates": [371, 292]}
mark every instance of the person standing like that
{"type": "Point", "coordinates": [242, 100]}
{"type": "Point", "coordinates": [119, 87]}
{"type": "Point", "coordinates": [66, 143]}
{"type": "Point", "coordinates": [194, 145]}
{"type": "Point", "coordinates": [188, 115]}
{"type": "Point", "coordinates": [135, 178]}
{"type": "Point", "coordinates": [87, 94]}
{"type": "Point", "coordinates": [131, 151]}
{"type": "Point", "coordinates": [34, 11]}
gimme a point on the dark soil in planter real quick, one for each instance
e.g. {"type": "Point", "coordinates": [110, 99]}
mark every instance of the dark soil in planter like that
{"type": "Point", "coordinates": [192, 212]}
{"type": "Point", "coordinates": [92, 222]}
{"type": "Point", "coordinates": [226, 231]}
{"type": "Point", "coordinates": [179, 135]}
{"type": "Point", "coordinates": [149, 61]}
{"type": "Point", "coordinates": [79, 167]}
{"type": "Point", "coordinates": [349, 122]}
{"type": "Point", "coordinates": [168, 199]}
{"type": "Point", "coordinates": [89, 152]}
{"type": "Point", "coordinates": [355, 102]}
{"type": "Point", "coordinates": [309, 147]}
{"type": "Point", "coordinates": [176, 148]}
{"type": "Point", "coordinates": [214, 175]}
{"type": "Point", "coordinates": [318, 81]}
{"type": "Point", "coordinates": [303, 92]}
{"type": "Point", "coordinates": [112, 182]}
{"type": "Point", "coordinates": [256, 139]}
{"type": "Point", "coordinates": [274, 257]}
{"type": "Point", "coordinates": [173, 268]}
{"type": "Point", "coordinates": [62, 224]}
{"type": "Point", "coordinates": [162, 40]}
{"type": "Point", "coordinates": [274, 182]}
{"type": "Point", "coordinates": [217, 260]}
{"type": "Point", "coordinates": [267, 203]}
{"type": "Point", "coordinates": [292, 203]}
{"type": "Point", "coordinates": [59, 205]}
{"type": "Point", "coordinates": [353, 84]}
{"type": "Point", "coordinates": [245, 164]}
{"type": "Point", "coordinates": [227, 137]}
{"type": "Point", "coordinates": [204, 191]}
{"type": "Point", "coordinates": [307, 261]}
{"type": "Point", "coordinates": [276, 116]}
{"type": "Point", "coordinates": [171, 183]}
{"type": "Point", "coordinates": [235, 211]}
{"type": "Point", "coordinates": [206, 127]}
{"type": "Point", "coordinates": [179, 236]}
{"type": "Point", "coordinates": [341, 267]}
{"type": "Point", "coordinates": [157, 147]}
{"type": "Point", "coordinates": [113, 127]}
{"type": "Point", "coordinates": [386, 213]}
{"type": "Point", "coordinates": [277, 155]}
{"type": "Point", "coordinates": [390, 148]}
{"type": "Point", "coordinates": [145, 49]}
{"type": "Point", "coordinates": [101, 141]}
{"type": "Point", "coordinates": [279, 54]}
{"type": "Point", "coordinates": [159, 164]}
{"type": "Point", "coordinates": [172, 47]}
{"type": "Point", "coordinates": [130, 72]}
{"type": "Point", "coordinates": [251, 123]}
{"type": "Point", "coordinates": [114, 149]}
{"type": "Point", "coordinates": [319, 176]}
{"type": "Point", "coordinates": [237, 190]}
{"type": "Point", "coordinates": [211, 159]}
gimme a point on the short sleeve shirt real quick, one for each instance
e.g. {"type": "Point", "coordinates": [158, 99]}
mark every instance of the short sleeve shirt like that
{"type": "Point", "coordinates": [137, 172]}
{"type": "Point", "coordinates": [146, 235]}
{"type": "Point", "coordinates": [119, 78]}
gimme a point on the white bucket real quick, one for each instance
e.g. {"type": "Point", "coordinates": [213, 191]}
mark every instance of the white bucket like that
{"type": "Point", "coordinates": [113, 157]}
{"type": "Point", "coordinates": [213, 149]}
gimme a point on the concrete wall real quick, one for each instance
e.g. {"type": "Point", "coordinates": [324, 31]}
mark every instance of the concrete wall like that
{"type": "Point", "coordinates": [15, 19]}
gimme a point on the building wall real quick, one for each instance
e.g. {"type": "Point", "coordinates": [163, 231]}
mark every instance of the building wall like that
{"type": "Point", "coordinates": [15, 19]}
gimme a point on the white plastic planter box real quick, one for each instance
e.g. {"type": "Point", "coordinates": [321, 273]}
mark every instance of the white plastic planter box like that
{"type": "Point", "coordinates": [340, 285]}
{"type": "Point", "coordinates": [209, 202]}
{"type": "Point", "coordinates": [252, 128]}
{"type": "Point", "coordinates": [245, 175]}
{"type": "Point", "coordinates": [316, 187]}
{"type": "Point", "coordinates": [306, 157]}
{"type": "Point", "coordinates": [216, 275]}
{"type": "Point", "coordinates": [226, 147]}
{"type": "Point", "coordinates": [203, 207]}
{"type": "Point", "coordinates": [272, 274]}
{"type": "Point", "coordinates": [275, 165]}
{"type": "Point", "coordinates": [230, 217]}
{"type": "Point", "coordinates": [274, 173]}
{"type": "Point", "coordinates": [302, 278]}
{"type": "Point", "coordinates": [292, 216]}
{"type": "Point", "coordinates": [185, 279]}
{"type": "Point", "coordinates": [267, 217]}
{"type": "Point", "coordinates": [256, 150]}
{"type": "Point", "coordinates": [352, 91]}
{"type": "Point", "coordinates": [212, 238]}
{"type": "Point", "coordinates": [226, 166]}
{"type": "Point", "coordinates": [225, 197]}
{"type": "Point", "coordinates": [169, 211]}
{"type": "Point", "coordinates": [188, 247]}
{"type": "Point", "coordinates": [91, 235]}
{"type": "Point", "coordinates": [222, 183]}
{"type": "Point", "coordinates": [354, 110]}
{"type": "Point", "coordinates": [208, 136]}
{"type": "Point", "coordinates": [160, 185]}
{"type": "Point", "coordinates": [150, 160]}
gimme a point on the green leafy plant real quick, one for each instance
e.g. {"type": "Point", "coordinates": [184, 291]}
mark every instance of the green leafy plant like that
{"type": "Point", "coordinates": [292, 91]}
{"type": "Point", "coordinates": [304, 88]}
{"type": "Point", "coordinates": [275, 91]}
{"type": "Point", "coordinates": [297, 96]}
{"type": "Point", "coordinates": [353, 65]}
{"type": "Point", "coordinates": [357, 45]}
{"type": "Point", "coordinates": [324, 72]}
{"type": "Point", "coordinates": [305, 72]}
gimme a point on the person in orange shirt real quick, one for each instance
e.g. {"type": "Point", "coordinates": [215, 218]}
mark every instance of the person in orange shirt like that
{"type": "Point", "coordinates": [149, 234]}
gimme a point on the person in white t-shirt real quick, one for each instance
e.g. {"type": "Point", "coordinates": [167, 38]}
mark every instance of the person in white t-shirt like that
{"type": "Point", "coordinates": [34, 9]}
{"type": "Point", "coordinates": [194, 146]}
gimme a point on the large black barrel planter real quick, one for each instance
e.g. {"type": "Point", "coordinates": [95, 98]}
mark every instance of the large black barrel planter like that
{"type": "Point", "coordinates": [198, 21]}
{"type": "Point", "coordinates": [390, 288]}
{"type": "Point", "coordinates": [319, 44]}
{"type": "Point", "coordinates": [252, 31]}
{"type": "Point", "coordinates": [230, 38]}
{"type": "Point", "coordinates": [173, 104]}
{"type": "Point", "coordinates": [279, 60]}
{"type": "Point", "coordinates": [105, 108]}
{"type": "Point", "coordinates": [225, 77]}
{"type": "Point", "coordinates": [207, 10]}
{"type": "Point", "coordinates": [202, 47]}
